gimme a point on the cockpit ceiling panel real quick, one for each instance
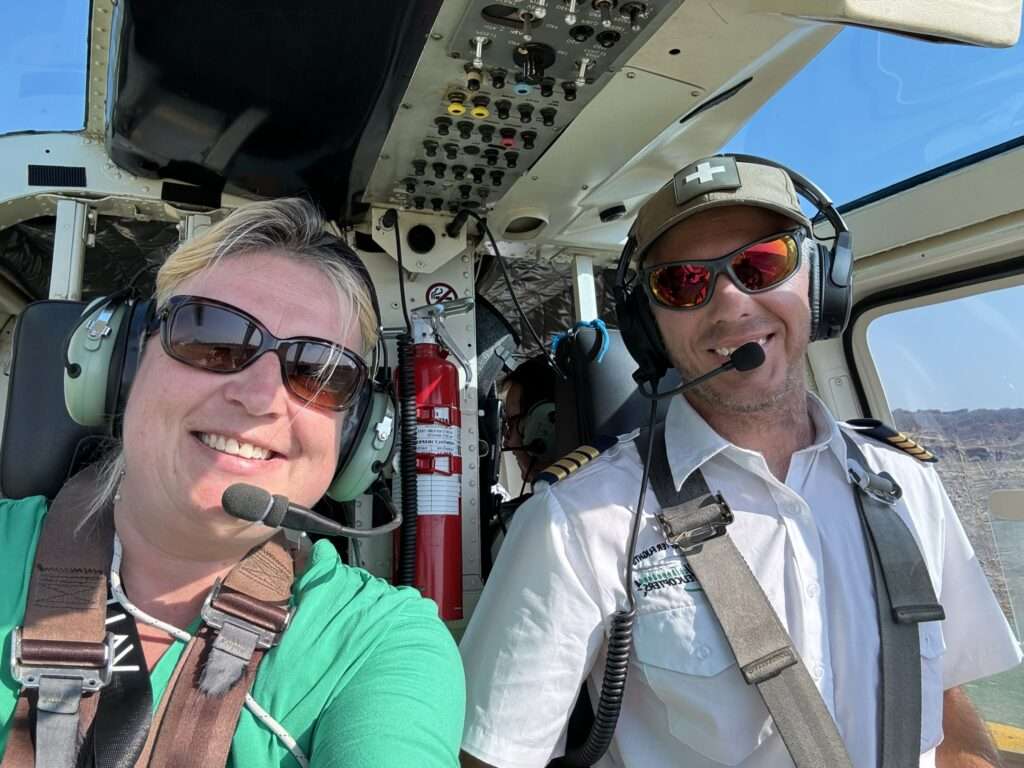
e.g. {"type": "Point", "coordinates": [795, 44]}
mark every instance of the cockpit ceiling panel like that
{"type": "Point", "coordinates": [260, 97]}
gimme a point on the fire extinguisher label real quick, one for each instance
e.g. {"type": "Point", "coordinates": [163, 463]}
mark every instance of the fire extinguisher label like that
{"type": "Point", "coordinates": [438, 494]}
{"type": "Point", "coordinates": [437, 439]}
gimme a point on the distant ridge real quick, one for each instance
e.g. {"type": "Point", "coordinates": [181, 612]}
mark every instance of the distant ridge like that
{"type": "Point", "coordinates": [981, 434]}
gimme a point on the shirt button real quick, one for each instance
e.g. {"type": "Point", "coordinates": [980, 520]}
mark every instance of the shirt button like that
{"type": "Point", "coordinates": [813, 590]}
{"type": "Point", "coordinates": [703, 652]}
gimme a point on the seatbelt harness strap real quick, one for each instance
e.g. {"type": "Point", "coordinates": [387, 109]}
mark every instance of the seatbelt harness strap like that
{"type": "Point", "coordinates": [695, 520]}
{"type": "Point", "coordinates": [904, 596]}
{"type": "Point", "coordinates": [63, 656]}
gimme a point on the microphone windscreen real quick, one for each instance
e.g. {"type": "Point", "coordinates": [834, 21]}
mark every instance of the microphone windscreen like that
{"type": "Point", "coordinates": [246, 502]}
{"type": "Point", "coordinates": [748, 357]}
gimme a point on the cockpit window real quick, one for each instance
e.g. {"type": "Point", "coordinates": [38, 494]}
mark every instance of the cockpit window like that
{"type": "Point", "coordinates": [873, 109]}
{"type": "Point", "coordinates": [43, 56]}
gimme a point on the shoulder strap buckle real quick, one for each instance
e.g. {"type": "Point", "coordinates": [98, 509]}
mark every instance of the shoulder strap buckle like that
{"type": "Point", "coordinates": [687, 528]}
{"type": "Point", "coordinates": [880, 486]}
{"type": "Point", "coordinates": [265, 621]}
{"type": "Point", "coordinates": [33, 660]}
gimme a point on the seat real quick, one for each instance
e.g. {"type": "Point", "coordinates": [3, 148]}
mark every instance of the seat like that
{"type": "Point", "coordinates": [599, 398]}
{"type": "Point", "coordinates": [41, 445]}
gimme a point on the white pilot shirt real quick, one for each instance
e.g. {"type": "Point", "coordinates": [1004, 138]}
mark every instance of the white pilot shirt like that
{"type": "Point", "coordinates": [541, 624]}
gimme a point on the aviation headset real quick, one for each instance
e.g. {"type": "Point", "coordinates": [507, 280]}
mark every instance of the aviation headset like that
{"type": "Point", "coordinates": [102, 356]}
{"type": "Point", "coordinates": [831, 288]}
{"type": "Point", "coordinates": [539, 430]}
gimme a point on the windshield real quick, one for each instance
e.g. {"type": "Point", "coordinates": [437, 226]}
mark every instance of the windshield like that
{"type": "Point", "coordinates": [874, 109]}
{"type": "Point", "coordinates": [43, 57]}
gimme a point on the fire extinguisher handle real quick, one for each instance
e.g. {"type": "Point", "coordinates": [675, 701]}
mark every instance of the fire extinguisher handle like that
{"type": "Point", "coordinates": [446, 339]}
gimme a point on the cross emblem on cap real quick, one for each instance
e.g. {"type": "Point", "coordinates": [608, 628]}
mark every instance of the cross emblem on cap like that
{"type": "Point", "coordinates": [705, 172]}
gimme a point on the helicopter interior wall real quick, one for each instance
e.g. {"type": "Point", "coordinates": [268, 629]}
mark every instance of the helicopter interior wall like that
{"type": "Point", "coordinates": [267, 98]}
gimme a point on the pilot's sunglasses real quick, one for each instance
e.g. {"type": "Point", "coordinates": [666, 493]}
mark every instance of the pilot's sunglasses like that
{"type": "Point", "coordinates": [217, 337]}
{"type": "Point", "coordinates": [756, 267]}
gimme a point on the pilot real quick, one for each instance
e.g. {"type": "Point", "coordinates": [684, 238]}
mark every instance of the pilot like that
{"type": "Point", "coordinates": [530, 416]}
{"type": "Point", "coordinates": [725, 253]}
{"type": "Point", "coordinates": [348, 671]}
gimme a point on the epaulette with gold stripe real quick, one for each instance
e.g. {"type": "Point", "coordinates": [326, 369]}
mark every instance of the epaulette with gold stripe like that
{"type": "Point", "coordinates": [576, 460]}
{"type": "Point", "coordinates": [884, 433]}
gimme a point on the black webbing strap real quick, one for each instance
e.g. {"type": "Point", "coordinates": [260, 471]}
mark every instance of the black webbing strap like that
{"type": "Point", "coordinates": [905, 597]}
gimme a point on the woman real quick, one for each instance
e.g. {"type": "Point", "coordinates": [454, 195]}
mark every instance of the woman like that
{"type": "Point", "coordinates": [364, 674]}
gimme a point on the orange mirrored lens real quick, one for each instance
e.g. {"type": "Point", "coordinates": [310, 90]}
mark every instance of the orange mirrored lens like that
{"type": "Point", "coordinates": [766, 264]}
{"type": "Point", "coordinates": [681, 285]}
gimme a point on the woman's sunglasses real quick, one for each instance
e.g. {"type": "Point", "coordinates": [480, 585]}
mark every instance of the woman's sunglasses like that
{"type": "Point", "coordinates": [753, 268]}
{"type": "Point", "coordinates": [217, 337]}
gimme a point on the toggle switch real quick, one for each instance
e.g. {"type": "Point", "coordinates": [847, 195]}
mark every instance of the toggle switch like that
{"type": "Point", "coordinates": [604, 7]}
{"type": "Point", "coordinates": [635, 11]}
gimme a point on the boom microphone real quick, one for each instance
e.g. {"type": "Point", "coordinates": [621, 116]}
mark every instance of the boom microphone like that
{"type": "Point", "coordinates": [745, 358]}
{"type": "Point", "coordinates": [255, 505]}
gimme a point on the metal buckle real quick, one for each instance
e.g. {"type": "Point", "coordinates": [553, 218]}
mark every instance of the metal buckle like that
{"type": "Point", "coordinates": [216, 619]}
{"type": "Point", "coordinates": [874, 485]}
{"type": "Point", "coordinates": [711, 529]}
{"type": "Point", "coordinates": [30, 675]}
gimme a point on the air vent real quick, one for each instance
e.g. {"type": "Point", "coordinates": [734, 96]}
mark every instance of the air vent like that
{"type": "Point", "coordinates": [56, 176]}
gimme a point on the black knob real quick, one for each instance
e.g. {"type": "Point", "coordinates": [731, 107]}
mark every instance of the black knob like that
{"type": "Point", "coordinates": [491, 156]}
{"type": "Point", "coordinates": [453, 207]}
{"type": "Point", "coordinates": [512, 159]}
{"type": "Point", "coordinates": [464, 191]}
{"type": "Point", "coordinates": [451, 151]}
{"type": "Point", "coordinates": [436, 203]}
{"type": "Point", "coordinates": [438, 170]}
{"type": "Point", "coordinates": [465, 128]}
{"type": "Point", "coordinates": [547, 87]}
{"type": "Point", "coordinates": [569, 90]}
{"type": "Point", "coordinates": [533, 59]}
{"type": "Point", "coordinates": [581, 33]}
{"type": "Point", "coordinates": [486, 133]}
{"type": "Point", "coordinates": [443, 124]}
{"type": "Point", "coordinates": [410, 185]}
{"type": "Point", "coordinates": [496, 177]}
{"type": "Point", "coordinates": [459, 172]}
{"type": "Point", "coordinates": [472, 79]}
{"type": "Point", "coordinates": [478, 175]}
{"type": "Point", "coordinates": [498, 79]}
{"type": "Point", "coordinates": [504, 107]}
{"type": "Point", "coordinates": [419, 167]}
{"type": "Point", "coordinates": [430, 147]}
{"type": "Point", "coordinates": [525, 113]}
{"type": "Point", "coordinates": [608, 38]}
{"type": "Point", "coordinates": [471, 150]}
{"type": "Point", "coordinates": [483, 192]}
{"type": "Point", "coordinates": [418, 202]}
{"type": "Point", "coordinates": [528, 137]}
{"type": "Point", "coordinates": [548, 115]}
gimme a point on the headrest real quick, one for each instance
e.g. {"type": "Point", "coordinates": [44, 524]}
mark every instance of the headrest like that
{"type": "Point", "coordinates": [41, 445]}
{"type": "Point", "coordinates": [600, 398]}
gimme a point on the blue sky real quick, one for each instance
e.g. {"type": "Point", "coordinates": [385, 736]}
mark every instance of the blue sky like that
{"type": "Point", "coordinates": [871, 110]}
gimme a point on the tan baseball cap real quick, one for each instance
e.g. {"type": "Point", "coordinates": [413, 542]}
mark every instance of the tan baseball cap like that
{"type": "Point", "coordinates": [713, 182]}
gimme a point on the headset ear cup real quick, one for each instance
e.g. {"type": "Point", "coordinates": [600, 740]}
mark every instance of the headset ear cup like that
{"type": "Point", "coordinates": [539, 430]}
{"type": "Point", "coordinates": [92, 353]}
{"type": "Point", "coordinates": [641, 336]}
{"type": "Point", "coordinates": [818, 262]}
{"type": "Point", "coordinates": [367, 438]}
{"type": "Point", "coordinates": [128, 358]}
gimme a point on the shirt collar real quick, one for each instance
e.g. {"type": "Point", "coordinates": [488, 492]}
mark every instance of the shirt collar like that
{"type": "Point", "coordinates": [691, 442]}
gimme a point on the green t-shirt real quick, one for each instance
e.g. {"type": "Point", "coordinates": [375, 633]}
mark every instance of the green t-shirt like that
{"type": "Point", "coordinates": [366, 676]}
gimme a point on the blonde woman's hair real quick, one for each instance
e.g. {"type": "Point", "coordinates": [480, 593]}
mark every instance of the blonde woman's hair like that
{"type": "Point", "coordinates": [293, 229]}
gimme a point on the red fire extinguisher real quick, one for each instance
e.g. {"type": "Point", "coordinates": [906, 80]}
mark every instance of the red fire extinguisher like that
{"type": "Point", "coordinates": [438, 458]}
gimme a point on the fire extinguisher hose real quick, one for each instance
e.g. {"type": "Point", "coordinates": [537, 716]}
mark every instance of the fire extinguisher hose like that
{"type": "Point", "coordinates": [407, 459]}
